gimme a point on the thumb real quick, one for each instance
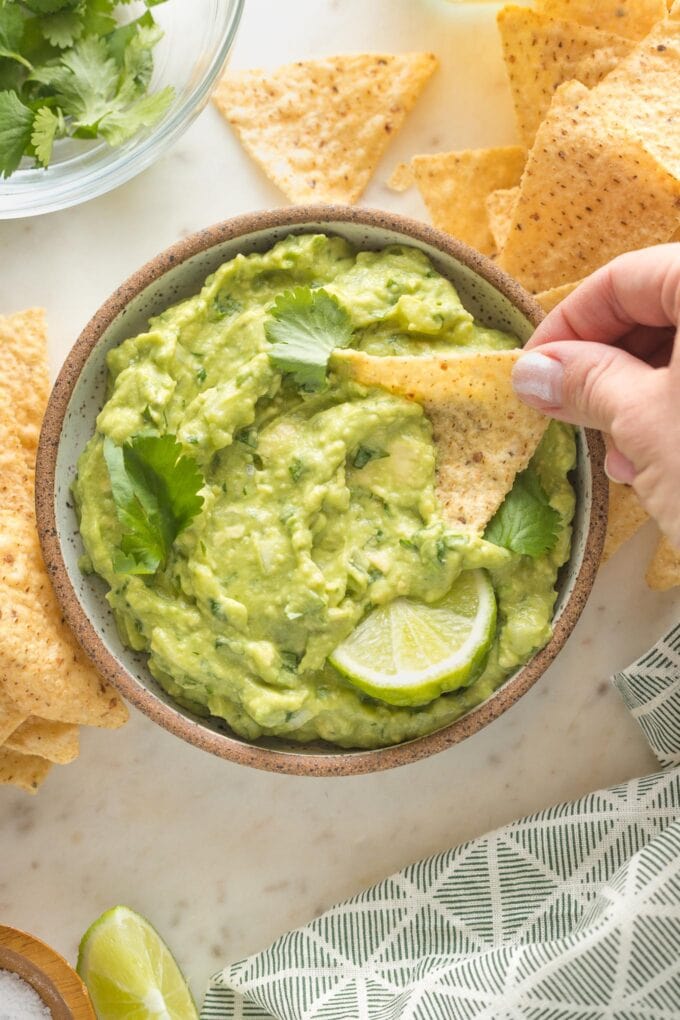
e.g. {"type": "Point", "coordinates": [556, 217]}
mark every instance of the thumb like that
{"type": "Point", "coordinates": [581, 382]}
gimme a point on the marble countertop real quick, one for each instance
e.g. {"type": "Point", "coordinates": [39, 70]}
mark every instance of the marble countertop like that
{"type": "Point", "coordinates": [222, 858]}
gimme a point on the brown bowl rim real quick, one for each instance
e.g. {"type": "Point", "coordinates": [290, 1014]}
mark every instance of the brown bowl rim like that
{"type": "Point", "coordinates": [53, 978]}
{"type": "Point", "coordinates": [332, 763]}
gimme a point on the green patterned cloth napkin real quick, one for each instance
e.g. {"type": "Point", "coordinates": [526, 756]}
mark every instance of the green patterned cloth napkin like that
{"type": "Point", "coordinates": [569, 914]}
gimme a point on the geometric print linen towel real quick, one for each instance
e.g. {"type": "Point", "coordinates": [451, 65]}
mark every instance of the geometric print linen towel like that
{"type": "Point", "coordinates": [569, 914]}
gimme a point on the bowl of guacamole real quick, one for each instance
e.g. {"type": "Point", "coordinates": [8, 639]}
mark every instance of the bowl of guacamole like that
{"type": "Point", "coordinates": [255, 546]}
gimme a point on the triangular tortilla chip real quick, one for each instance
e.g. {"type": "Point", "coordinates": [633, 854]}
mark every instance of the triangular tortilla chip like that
{"type": "Point", "coordinates": [455, 187]}
{"type": "Point", "coordinates": [483, 433]}
{"type": "Point", "coordinates": [642, 95]}
{"type": "Point", "coordinates": [588, 193]}
{"type": "Point", "coordinates": [42, 669]}
{"type": "Point", "coordinates": [26, 771]}
{"type": "Point", "coordinates": [318, 128]}
{"type": "Point", "coordinates": [626, 516]}
{"type": "Point", "coordinates": [23, 373]}
{"type": "Point", "coordinates": [632, 18]}
{"type": "Point", "coordinates": [541, 53]}
{"type": "Point", "coordinates": [55, 741]}
{"type": "Point", "coordinates": [663, 572]}
{"type": "Point", "coordinates": [500, 208]}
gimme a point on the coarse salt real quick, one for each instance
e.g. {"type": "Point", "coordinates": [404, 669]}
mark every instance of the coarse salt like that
{"type": "Point", "coordinates": [19, 1000]}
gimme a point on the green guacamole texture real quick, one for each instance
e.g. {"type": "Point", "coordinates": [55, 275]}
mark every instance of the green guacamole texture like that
{"type": "Point", "coordinates": [299, 537]}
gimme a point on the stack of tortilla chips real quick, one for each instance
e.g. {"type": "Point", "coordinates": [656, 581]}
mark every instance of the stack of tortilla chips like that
{"type": "Point", "coordinates": [47, 686]}
{"type": "Point", "coordinates": [596, 90]}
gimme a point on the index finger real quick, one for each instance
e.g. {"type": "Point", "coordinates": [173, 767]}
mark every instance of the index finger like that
{"type": "Point", "coordinates": [638, 288]}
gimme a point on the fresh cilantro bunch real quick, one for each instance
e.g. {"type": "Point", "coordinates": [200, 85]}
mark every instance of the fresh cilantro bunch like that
{"type": "Point", "coordinates": [155, 489]}
{"type": "Point", "coordinates": [304, 327]}
{"type": "Point", "coordinates": [525, 522]}
{"type": "Point", "coordinates": [68, 68]}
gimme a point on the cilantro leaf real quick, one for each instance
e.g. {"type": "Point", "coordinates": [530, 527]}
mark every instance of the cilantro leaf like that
{"type": "Point", "coordinates": [49, 6]}
{"type": "Point", "coordinates": [16, 122]}
{"type": "Point", "coordinates": [525, 522]}
{"type": "Point", "coordinates": [118, 126]}
{"type": "Point", "coordinates": [46, 127]}
{"type": "Point", "coordinates": [304, 327]}
{"type": "Point", "coordinates": [365, 454]}
{"type": "Point", "coordinates": [63, 28]}
{"type": "Point", "coordinates": [11, 28]}
{"type": "Point", "coordinates": [155, 489]}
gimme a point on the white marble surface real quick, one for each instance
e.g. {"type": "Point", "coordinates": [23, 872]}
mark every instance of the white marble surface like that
{"type": "Point", "coordinates": [223, 858]}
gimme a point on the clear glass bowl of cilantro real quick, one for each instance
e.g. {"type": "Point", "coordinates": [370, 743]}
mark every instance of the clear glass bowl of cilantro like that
{"type": "Point", "coordinates": [93, 91]}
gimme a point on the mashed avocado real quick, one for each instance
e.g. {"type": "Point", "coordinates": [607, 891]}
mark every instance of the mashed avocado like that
{"type": "Point", "coordinates": [317, 506]}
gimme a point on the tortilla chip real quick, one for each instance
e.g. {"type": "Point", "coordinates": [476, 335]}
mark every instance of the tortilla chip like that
{"type": "Point", "coordinates": [500, 208]}
{"type": "Point", "coordinates": [632, 18]}
{"type": "Point", "coordinates": [626, 516]}
{"type": "Point", "coordinates": [663, 572]}
{"type": "Point", "coordinates": [42, 669]}
{"type": "Point", "coordinates": [483, 433]}
{"type": "Point", "coordinates": [23, 374]}
{"type": "Point", "coordinates": [549, 299]}
{"type": "Point", "coordinates": [589, 192]}
{"type": "Point", "coordinates": [10, 717]}
{"type": "Point", "coordinates": [642, 95]}
{"type": "Point", "coordinates": [26, 771]}
{"type": "Point", "coordinates": [455, 186]}
{"type": "Point", "coordinates": [541, 53]}
{"type": "Point", "coordinates": [55, 741]}
{"type": "Point", "coordinates": [318, 128]}
{"type": "Point", "coordinates": [401, 178]}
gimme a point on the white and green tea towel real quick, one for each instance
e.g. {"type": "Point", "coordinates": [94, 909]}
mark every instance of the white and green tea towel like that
{"type": "Point", "coordinates": [569, 914]}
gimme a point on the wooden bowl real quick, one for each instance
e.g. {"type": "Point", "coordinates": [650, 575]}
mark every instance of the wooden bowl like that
{"type": "Point", "coordinates": [47, 972]}
{"type": "Point", "coordinates": [79, 394]}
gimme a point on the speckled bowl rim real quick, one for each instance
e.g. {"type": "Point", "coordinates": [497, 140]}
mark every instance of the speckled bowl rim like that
{"type": "Point", "coordinates": [334, 762]}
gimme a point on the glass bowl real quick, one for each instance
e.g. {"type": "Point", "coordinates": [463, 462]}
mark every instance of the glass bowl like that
{"type": "Point", "coordinates": [198, 36]}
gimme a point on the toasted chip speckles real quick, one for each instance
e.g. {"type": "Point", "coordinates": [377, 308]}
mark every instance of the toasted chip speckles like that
{"type": "Point", "coordinates": [549, 299]}
{"type": "Point", "coordinates": [633, 18]}
{"type": "Point", "coordinates": [455, 187]}
{"type": "Point", "coordinates": [42, 669]}
{"type": "Point", "coordinates": [500, 208]}
{"type": "Point", "coordinates": [626, 516]}
{"type": "Point", "coordinates": [663, 572]}
{"type": "Point", "coordinates": [26, 771]}
{"type": "Point", "coordinates": [56, 741]}
{"type": "Point", "coordinates": [541, 53]}
{"type": "Point", "coordinates": [484, 435]}
{"type": "Point", "coordinates": [318, 128]}
{"type": "Point", "coordinates": [588, 193]}
{"type": "Point", "coordinates": [10, 716]}
{"type": "Point", "coordinates": [23, 374]}
{"type": "Point", "coordinates": [642, 95]}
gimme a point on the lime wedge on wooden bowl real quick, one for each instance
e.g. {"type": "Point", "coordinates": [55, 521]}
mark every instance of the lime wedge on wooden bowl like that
{"type": "Point", "coordinates": [130, 972]}
{"type": "Point", "coordinates": [407, 652]}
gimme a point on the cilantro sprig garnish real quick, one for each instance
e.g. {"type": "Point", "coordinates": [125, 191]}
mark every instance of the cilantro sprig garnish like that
{"type": "Point", "coordinates": [525, 522]}
{"type": "Point", "coordinates": [304, 327]}
{"type": "Point", "coordinates": [155, 489]}
{"type": "Point", "coordinates": [69, 69]}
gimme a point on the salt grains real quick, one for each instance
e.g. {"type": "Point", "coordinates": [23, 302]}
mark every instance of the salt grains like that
{"type": "Point", "coordinates": [19, 1001]}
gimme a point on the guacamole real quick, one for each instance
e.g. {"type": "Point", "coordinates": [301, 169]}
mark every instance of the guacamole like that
{"type": "Point", "coordinates": [317, 506]}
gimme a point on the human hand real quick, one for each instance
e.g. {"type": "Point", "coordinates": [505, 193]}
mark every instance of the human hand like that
{"type": "Point", "coordinates": [625, 378]}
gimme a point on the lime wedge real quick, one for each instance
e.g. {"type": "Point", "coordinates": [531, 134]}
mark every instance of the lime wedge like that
{"type": "Point", "coordinates": [408, 653]}
{"type": "Point", "coordinates": [130, 972]}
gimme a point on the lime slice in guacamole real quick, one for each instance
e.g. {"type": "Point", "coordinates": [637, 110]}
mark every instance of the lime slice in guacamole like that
{"type": "Point", "coordinates": [408, 652]}
{"type": "Point", "coordinates": [130, 972]}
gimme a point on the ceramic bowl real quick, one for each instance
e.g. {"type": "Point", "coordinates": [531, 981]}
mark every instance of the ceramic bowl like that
{"type": "Point", "coordinates": [48, 973]}
{"type": "Point", "coordinates": [79, 394]}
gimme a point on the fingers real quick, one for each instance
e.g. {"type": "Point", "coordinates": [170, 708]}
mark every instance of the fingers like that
{"type": "Point", "coordinates": [638, 288]}
{"type": "Point", "coordinates": [586, 384]}
{"type": "Point", "coordinates": [619, 468]}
